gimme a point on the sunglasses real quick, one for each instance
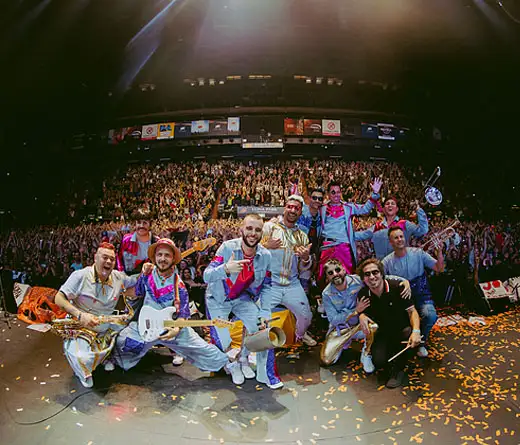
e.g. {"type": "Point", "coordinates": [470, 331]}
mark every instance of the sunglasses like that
{"type": "Point", "coordinates": [374, 273]}
{"type": "Point", "coordinates": [336, 270]}
{"type": "Point", "coordinates": [334, 192]}
{"type": "Point", "coordinates": [317, 198]}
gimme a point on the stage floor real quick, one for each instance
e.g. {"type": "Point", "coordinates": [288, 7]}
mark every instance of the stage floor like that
{"type": "Point", "coordinates": [466, 392]}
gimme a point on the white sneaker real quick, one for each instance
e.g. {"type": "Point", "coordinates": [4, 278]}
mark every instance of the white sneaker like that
{"type": "Point", "coordinates": [275, 385]}
{"type": "Point", "coordinates": [88, 382]}
{"type": "Point", "coordinates": [308, 340]}
{"type": "Point", "coordinates": [178, 360]}
{"type": "Point", "coordinates": [247, 371]}
{"type": "Point", "coordinates": [109, 366]}
{"type": "Point", "coordinates": [366, 361]}
{"type": "Point", "coordinates": [422, 352]}
{"type": "Point", "coordinates": [235, 370]}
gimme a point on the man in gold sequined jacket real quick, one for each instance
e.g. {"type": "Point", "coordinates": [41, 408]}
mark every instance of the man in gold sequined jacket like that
{"type": "Point", "coordinates": [290, 266]}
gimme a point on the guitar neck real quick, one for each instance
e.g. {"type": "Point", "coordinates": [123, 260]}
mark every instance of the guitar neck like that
{"type": "Point", "coordinates": [187, 323]}
{"type": "Point", "coordinates": [187, 253]}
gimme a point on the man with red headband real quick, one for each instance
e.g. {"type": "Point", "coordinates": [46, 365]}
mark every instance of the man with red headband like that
{"type": "Point", "coordinates": [86, 295]}
{"type": "Point", "coordinates": [337, 229]}
{"type": "Point", "coordinates": [378, 233]}
{"type": "Point", "coordinates": [160, 289]}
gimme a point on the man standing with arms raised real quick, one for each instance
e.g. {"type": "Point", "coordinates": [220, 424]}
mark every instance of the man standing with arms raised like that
{"type": "Point", "coordinates": [337, 228]}
{"type": "Point", "coordinates": [291, 266]}
{"type": "Point", "coordinates": [378, 233]}
{"type": "Point", "coordinates": [410, 263]}
{"type": "Point", "coordinates": [239, 276]}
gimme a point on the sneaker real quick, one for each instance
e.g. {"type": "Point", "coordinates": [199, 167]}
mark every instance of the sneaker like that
{"type": "Point", "coordinates": [366, 361]}
{"type": "Point", "coordinates": [275, 385]}
{"type": "Point", "coordinates": [235, 370]}
{"type": "Point", "coordinates": [396, 380]}
{"type": "Point", "coordinates": [88, 382]}
{"type": "Point", "coordinates": [422, 352]}
{"type": "Point", "coordinates": [247, 371]}
{"type": "Point", "coordinates": [308, 340]}
{"type": "Point", "coordinates": [178, 360]}
{"type": "Point", "coordinates": [109, 365]}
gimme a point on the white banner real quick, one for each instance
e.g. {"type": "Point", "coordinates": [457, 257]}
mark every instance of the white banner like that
{"type": "Point", "coordinates": [233, 124]}
{"type": "Point", "coordinates": [331, 127]}
{"type": "Point", "coordinates": [494, 289]}
{"type": "Point", "coordinates": [149, 132]}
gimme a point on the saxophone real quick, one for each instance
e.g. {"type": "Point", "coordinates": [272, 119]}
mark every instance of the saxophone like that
{"type": "Point", "coordinates": [70, 328]}
{"type": "Point", "coordinates": [338, 338]}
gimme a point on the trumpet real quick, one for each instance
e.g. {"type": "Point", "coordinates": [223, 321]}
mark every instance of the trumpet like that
{"type": "Point", "coordinates": [435, 240]}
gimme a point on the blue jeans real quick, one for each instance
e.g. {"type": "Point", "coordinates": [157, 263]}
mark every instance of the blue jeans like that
{"type": "Point", "coordinates": [429, 317]}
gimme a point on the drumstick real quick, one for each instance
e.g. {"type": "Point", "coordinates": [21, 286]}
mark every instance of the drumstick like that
{"type": "Point", "coordinates": [399, 353]}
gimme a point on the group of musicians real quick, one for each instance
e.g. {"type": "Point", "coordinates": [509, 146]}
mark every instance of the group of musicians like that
{"type": "Point", "coordinates": [386, 302]}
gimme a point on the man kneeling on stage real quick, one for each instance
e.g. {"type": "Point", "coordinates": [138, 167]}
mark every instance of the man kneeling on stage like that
{"type": "Point", "coordinates": [343, 310]}
{"type": "Point", "coordinates": [397, 319]}
{"type": "Point", "coordinates": [88, 295]}
{"type": "Point", "coordinates": [160, 289]}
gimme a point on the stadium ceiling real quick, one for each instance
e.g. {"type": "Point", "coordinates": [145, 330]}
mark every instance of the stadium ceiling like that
{"type": "Point", "coordinates": [68, 64]}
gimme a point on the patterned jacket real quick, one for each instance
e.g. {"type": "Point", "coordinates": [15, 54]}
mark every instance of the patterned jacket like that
{"type": "Point", "coordinates": [219, 283]}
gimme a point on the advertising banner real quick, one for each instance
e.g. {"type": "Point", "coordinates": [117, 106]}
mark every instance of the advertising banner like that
{"type": "Point", "coordinates": [331, 127]}
{"type": "Point", "coordinates": [233, 125]}
{"type": "Point", "coordinates": [166, 130]}
{"type": "Point", "coordinates": [199, 127]}
{"type": "Point", "coordinates": [218, 128]}
{"type": "Point", "coordinates": [265, 212]}
{"type": "Point", "coordinates": [312, 127]}
{"type": "Point", "coordinates": [149, 132]}
{"type": "Point", "coordinates": [293, 126]}
{"type": "Point", "coordinates": [182, 130]}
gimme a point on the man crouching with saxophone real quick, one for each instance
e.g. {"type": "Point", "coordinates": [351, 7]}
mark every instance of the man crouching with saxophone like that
{"type": "Point", "coordinates": [343, 309]}
{"type": "Point", "coordinates": [90, 295]}
{"type": "Point", "coordinates": [397, 319]}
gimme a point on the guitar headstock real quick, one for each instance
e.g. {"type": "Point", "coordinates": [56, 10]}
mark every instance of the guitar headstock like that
{"type": "Point", "coordinates": [219, 323]}
{"type": "Point", "coordinates": [200, 246]}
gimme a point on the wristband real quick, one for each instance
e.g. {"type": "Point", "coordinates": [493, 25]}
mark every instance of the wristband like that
{"type": "Point", "coordinates": [416, 331]}
{"type": "Point", "coordinates": [226, 270]}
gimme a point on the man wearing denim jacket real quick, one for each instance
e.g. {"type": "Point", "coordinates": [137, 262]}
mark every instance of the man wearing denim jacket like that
{"type": "Point", "coordinates": [238, 277]}
{"type": "Point", "coordinates": [378, 233]}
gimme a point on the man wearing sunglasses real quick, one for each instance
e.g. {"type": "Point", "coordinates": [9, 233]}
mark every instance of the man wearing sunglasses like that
{"type": "Point", "coordinates": [378, 233]}
{"type": "Point", "coordinates": [337, 229]}
{"type": "Point", "coordinates": [411, 263]}
{"type": "Point", "coordinates": [342, 306]}
{"type": "Point", "coordinates": [290, 266]}
{"type": "Point", "coordinates": [397, 320]}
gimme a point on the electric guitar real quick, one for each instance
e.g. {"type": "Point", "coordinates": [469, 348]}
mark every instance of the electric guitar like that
{"type": "Point", "coordinates": [199, 246]}
{"type": "Point", "coordinates": [152, 322]}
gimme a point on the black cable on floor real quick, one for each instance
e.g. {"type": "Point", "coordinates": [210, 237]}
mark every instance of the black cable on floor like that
{"type": "Point", "coordinates": [36, 422]}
